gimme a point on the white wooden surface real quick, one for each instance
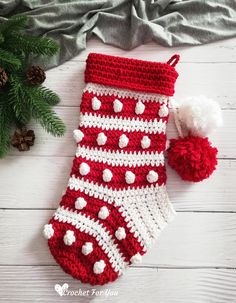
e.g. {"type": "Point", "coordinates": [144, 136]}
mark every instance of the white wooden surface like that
{"type": "Point", "coordinates": [195, 257]}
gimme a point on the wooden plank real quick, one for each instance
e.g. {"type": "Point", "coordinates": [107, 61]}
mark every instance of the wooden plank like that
{"type": "Point", "coordinates": [36, 284]}
{"type": "Point", "coordinates": [192, 239]}
{"type": "Point", "coordinates": [195, 79]}
{"type": "Point", "coordinates": [219, 51]}
{"type": "Point", "coordinates": [47, 145]}
{"type": "Point", "coordinates": [39, 181]}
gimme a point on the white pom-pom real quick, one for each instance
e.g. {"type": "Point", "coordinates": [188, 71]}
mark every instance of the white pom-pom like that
{"type": "Point", "coordinates": [107, 175]}
{"type": "Point", "coordinates": [120, 233]}
{"type": "Point", "coordinates": [96, 103]}
{"type": "Point", "coordinates": [163, 111]}
{"type": "Point", "coordinates": [101, 139]}
{"type": "Point", "coordinates": [145, 142]}
{"type": "Point", "coordinates": [84, 169]}
{"type": "Point", "coordinates": [200, 115]}
{"type": "Point", "coordinates": [117, 106]}
{"type": "Point", "coordinates": [80, 203]}
{"type": "Point", "coordinates": [78, 135]}
{"type": "Point", "coordinates": [152, 176]}
{"type": "Point", "coordinates": [48, 231]}
{"type": "Point", "coordinates": [87, 248]}
{"type": "Point", "coordinates": [123, 141]}
{"type": "Point", "coordinates": [99, 267]}
{"type": "Point", "coordinates": [136, 259]}
{"type": "Point", "coordinates": [139, 108]}
{"type": "Point", "coordinates": [69, 238]}
{"type": "Point", "coordinates": [103, 213]}
{"type": "Point", "coordinates": [129, 177]}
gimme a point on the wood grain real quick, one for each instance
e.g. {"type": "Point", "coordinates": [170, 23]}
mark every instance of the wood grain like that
{"type": "Point", "coordinates": [142, 285]}
{"type": "Point", "coordinates": [192, 239]}
{"type": "Point", "coordinates": [41, 180]}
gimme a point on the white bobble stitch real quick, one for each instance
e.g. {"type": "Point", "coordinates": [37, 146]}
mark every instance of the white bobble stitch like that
{"type": "Point", "coordinates": [96, 103]}
{"type": "Point", "coordinates": [78, 135]}
{"type": "Point", "coordinates": [117, 106]}
{"type": "Point", "coordinates": [163, 111]}
{"type": "Point", "coordinates": [99, 267]}
{"type": "Point", "coordinates": [80, 203]}
{"type": "Point", "coordinates": [120, 233]}
{"type": "Point", "coordinates": [145, 142]}
{"type": "Point", "coordinates": [107, 175]}
{"type": "Point", "coordinates": [152, 176]}
{"type": "Point", "coordinates": [87, 248]}
{"type": "Point", "coordinates": [123, 141]}
{"type": "Point", "coordinates": [84, 169]}
{"type": "Point", "coordinates": [129, 177]}
{"type": "Point", "coordinates": [69, 237]}
{"type": "Point", "coordinates": [103, 213]}
{"type": "Point", "coordinates": [101, 139]}
{"type": "Point", "coordinates": [48, 231]}
{"type": "Point", "coordinates": [139, 108]}
{"type": "Point", "coordinates": [136, 259]}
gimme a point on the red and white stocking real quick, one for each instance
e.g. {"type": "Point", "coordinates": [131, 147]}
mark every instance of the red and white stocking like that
{"type": "Point", "coordinates": [116, 203]}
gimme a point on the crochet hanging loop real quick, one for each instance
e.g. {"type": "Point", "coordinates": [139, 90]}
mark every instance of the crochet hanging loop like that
{"type": "Point", "coordinates": [173, 60]}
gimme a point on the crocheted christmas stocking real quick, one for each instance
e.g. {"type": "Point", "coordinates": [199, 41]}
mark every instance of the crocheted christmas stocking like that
{"type": "Point", "coordinates": [116, 203]}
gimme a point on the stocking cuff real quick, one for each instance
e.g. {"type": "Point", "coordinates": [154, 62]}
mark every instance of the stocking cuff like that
{"type": "Point", "coordinates": [139, 75]}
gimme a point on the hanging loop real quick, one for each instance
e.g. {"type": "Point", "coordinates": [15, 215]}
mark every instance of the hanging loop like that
{"type": "Point", "coordinates": [173, 60]}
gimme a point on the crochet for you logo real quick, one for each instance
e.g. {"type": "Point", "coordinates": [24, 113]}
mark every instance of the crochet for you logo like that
{"type": "Point", "coordinates": [63, 290]}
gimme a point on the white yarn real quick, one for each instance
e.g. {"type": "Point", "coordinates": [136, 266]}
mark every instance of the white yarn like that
{"type": "Point", "coordinates": [120, 233]}
{"type": "Point", "coordinates": [69, 237]}
{"type": "Point", "coordinates": [78, 135]}
{"type": "Point", "coordinates": [101, 139]}
{"type": "Point", "coordinates": [80, 203]}
{"type": "Point", "coordinates": [99, 266]}
{"type": "Point", "coordinates": [152, 176]}
{"type": "Point", "coordinates": [87, 248]}
{"type": "Point", "coordinates": [139, 108]}
{"type": "Point", "coordinates": [84, 169]}
{"type": "Point", "coordinates": [103, 213]}
{"type": "Point", "coordinates": [200, 115]}
{"type": "Point", "coordinates": [163, 111]}
{"type": "Point", "coordinates": [129, 177]}
{"type": "Point", "coordinates": [117, 106]}
{"type": "Point", "coordinates": [136, 259]}
{"type": "Point", "coordinates": [145, 142]}
{"type": "Point", "coordinates": [48, 231]}
{"type": "Point", "coordinates": [96, 103]}
{"type": "Point", "coordinates": [123, 141]}
{"type": "Point", "coordinates": [107, 175]}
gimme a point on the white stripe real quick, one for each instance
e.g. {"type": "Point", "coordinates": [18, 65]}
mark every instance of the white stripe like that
{"type": "Point", "coordinates": [125, 124]}
{"type": "Point", "coordinates": [100, 89]}
{"type": "Point", "coordinates": [93, 228]}
{"type": "Point", "coordinates": [147, 210]}
{"type": "Point", "coordinates": [116, 158]}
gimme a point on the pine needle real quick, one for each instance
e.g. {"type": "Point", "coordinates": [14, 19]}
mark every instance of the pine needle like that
{"type": "Point", "coordinates": [14, 23]}
{"type": "Point", "coordinates": [9, 61]}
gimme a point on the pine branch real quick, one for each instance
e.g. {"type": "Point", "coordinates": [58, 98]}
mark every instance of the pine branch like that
{"type": "Point", "coordinates": [19, 100]}
{"type": "Point", "coordinates": [42, 112]}
{"type": "Point", "coordinates": [1, 38]}
{"type": "Point", "coordinates": [5, 126]}
{"type": "Point", "coordinates": [31, 44]}
{"type": "Point", "coordinates": [14, 23]}
{"type": "Point", "coordinates": [9, 61]}
{"type": "Point", "coordinates": [46, 95]}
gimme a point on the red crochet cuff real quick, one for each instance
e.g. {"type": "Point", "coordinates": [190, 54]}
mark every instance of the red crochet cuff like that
{"type": "Point", "coordinates": [140, 75]}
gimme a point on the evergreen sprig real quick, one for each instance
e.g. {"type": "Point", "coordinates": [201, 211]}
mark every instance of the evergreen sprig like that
{"type": "Point", "coordinates": [19, 100]}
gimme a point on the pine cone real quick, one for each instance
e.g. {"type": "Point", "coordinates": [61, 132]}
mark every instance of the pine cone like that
{"type": "Point", "coordinates": [3, 77]}
{"type": "Point", "coordinates": [23, 139]}
{"type": "Point", "coordinates": [35, 75]}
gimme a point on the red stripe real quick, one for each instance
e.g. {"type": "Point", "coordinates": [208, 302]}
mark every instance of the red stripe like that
{"type": "Point", "coordinates": [130, 245]}
{"type": "Point", "coordinates": [118, 179]}
{"type": "Point", "coordinates": [158, 141]}
{"type": "Point", "coordinates": [128, 110]}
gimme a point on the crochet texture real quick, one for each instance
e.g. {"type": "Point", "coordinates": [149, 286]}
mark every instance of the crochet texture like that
{"type": "Point", "coordinates": [116, 203]}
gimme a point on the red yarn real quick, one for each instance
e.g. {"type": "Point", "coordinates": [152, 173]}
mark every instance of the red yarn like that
{"type": "Point", "coordinates": [193, 158]}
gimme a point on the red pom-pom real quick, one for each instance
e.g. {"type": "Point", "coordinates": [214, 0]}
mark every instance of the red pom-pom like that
{"type": "Point", "coordinates": [193, 158]}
